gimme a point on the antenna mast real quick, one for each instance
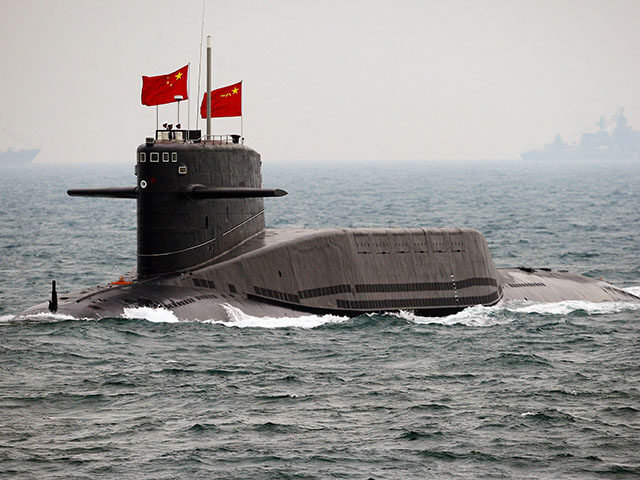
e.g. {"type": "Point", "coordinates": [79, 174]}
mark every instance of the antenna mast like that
{"type": "Point", "coordinates": [200, 65]}
{"type": "Point", "coordinates": [209, 45]}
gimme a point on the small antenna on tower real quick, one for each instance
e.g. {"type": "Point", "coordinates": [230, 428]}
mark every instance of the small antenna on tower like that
{"type": "Point", "coordinates": [200, 65]}
{"type": "Point", "coordinates": [209, 45]}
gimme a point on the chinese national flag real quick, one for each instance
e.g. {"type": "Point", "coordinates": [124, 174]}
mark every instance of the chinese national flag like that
{"type": "Point", "coordinates": [163, 88]}
{"type": "Point", "coordinates": [225, 102]}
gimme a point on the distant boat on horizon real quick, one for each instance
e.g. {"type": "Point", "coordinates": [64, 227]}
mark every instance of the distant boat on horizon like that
{"type": "Point", "coordinates": [18, 157]}
{"type": "Point", "coordinates": [620, 143]}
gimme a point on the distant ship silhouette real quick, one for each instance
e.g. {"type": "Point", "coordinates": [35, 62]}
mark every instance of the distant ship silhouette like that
{"type": "Point", "coordinates": [621, 143]}
{"type": "Point", "coordinates": [22, 156]}
{"type": "Point", "coordinates": [18, 157]}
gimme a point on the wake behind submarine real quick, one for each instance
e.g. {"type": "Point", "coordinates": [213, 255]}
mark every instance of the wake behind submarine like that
{"type": "Point", "coordinates": [202, 248]}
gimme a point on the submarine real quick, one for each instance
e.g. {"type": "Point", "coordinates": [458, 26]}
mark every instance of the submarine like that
{"type": "Point", "coordinates": [203, 249]}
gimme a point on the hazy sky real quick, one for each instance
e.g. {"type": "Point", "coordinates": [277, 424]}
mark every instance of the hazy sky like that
{"type": "Point", "coordinates": [323, 80]}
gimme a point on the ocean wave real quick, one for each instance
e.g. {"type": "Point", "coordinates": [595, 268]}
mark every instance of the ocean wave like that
{"type": "Point", "coordinates": [550, 416]}
{"type": "Point", "coordinates": [476, 316]}
{"type": "Point", "coordinates": [156, 315]}
{"type": "Point", "coordinates": [499, 314]}
{"type": "Point", "coordinates": [570, 306]}
{"type": "Point", "coordinates": [44, 317]}
{"type": "Point", "coordinates": [237, 318]}
{"type": "Point", "coordinates": [633, 290]}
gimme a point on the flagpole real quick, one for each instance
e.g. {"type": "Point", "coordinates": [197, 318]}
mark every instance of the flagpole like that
{"type": "Point", "coordinates": [188, 100]}
{"type": "Point", "coordinates": [156, 117]}
{"type": "Point", "coordinates": [241, 117]}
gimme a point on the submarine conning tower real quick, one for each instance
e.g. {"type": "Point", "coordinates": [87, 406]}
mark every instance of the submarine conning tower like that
{"type": "Point", "coordinates": [177, 229]}
{"type": "Point", "coordinates": [196, 199]}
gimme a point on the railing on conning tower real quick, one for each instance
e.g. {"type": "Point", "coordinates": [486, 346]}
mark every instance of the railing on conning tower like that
{"type": "Point", "coordinates": [224, 139]}
{"type": "Point", "coordinates": [196, 136]}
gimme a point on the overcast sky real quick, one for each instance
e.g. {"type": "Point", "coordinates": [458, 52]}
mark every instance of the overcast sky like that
{"type": "Point", "coordinates": [350, 80]}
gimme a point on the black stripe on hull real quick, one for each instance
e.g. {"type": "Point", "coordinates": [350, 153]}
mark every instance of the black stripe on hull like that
{"type": "Point", "coordinates": [448, 306]}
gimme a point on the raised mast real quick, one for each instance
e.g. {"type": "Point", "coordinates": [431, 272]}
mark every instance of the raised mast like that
{"type": "Point", "coordinates": [209, 45]}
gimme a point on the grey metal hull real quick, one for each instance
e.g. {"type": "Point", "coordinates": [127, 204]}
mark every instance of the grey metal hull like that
{"type": "Point", "coordinates": [545, 285]}
{"type": "Point", "coordinates": [345, 272]}
{"type": "Point", "coordinates": [203, 249]}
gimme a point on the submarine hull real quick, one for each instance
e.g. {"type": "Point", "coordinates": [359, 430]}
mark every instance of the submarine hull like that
{"type": "Point", "coordinates": [345, 272]}
{"type": "Point", "coordinates": [203, 251]}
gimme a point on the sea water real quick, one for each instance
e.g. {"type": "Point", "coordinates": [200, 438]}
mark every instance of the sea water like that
{"type": "Point", "coordinates": [518, 390]}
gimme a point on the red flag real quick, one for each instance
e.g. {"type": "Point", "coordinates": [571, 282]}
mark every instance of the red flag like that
{"type": "Point", "coordinates": [225, 102]}
{"type": "Point", "coordinates": [163, 88]}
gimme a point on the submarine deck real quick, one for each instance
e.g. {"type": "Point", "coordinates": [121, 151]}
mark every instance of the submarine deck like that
{"type": "Point", "coordinates": [527, 284]}
{"type": "Point", "coordinates": [549, 286]}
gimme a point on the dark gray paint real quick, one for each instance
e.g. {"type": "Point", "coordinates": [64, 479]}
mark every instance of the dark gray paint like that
{"type": "Point", "coordinates": [201, 255]}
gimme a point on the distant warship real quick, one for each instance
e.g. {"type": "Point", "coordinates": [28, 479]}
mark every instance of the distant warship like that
{"type": "Point", "coordinates": [202, 248]}
{"type": "Point", "coordinates": [622, 143]}
{"type": "Point", "coordinates": [18, 157]}
{"type": "Point", "coordinates": [23, 156]}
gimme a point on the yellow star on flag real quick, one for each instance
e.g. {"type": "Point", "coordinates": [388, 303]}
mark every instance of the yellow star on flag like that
{"type": "Point", "coordinates": [235, 90]}
{"type": "Point", "coordinates": [162, 89]}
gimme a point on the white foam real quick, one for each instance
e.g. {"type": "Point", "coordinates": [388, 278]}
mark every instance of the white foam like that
{"type": "Point", "coordinates": [480, 316]}
{"type": "Point", "coordinates": [633, 290]}
{"type": "Point", "coordinates": [570, 306]}
{"type": "Point", "coordinates": [237, 318]}
{"type": "Point", "coordinates": [49, 316]}
{"type": "Point", "coordinates": [156, 315]}
{"type": "Point", "coordinates": [476, 316]}
{"type": "Point", "coordinates": [6, 318]}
